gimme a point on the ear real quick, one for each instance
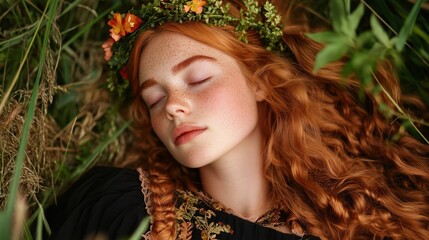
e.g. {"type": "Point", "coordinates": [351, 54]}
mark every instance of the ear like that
{"type": "Point", "coordinates": [260, 93]}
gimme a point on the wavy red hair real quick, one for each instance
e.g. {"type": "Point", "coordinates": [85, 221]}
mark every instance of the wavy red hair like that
{"type": "Point", "coordinates": [328, 157]}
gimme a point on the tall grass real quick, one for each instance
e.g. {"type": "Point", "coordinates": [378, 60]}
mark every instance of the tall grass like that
{"type": "Point", "coordinates": [57, 118]}
{"type": "Point", "coordinates": [6, 216]}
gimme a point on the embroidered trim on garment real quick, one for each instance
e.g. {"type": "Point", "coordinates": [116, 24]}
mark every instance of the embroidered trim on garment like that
{"type": "Point", "coordinates": [191, 214]}
{"type": "Point", "coordinates": [188, 214]}
{"type": "Point", "coordinates": [195, 210]}
{"type": "Point", "coordinates": [275, 218]}
{"type": "Point", "coordinates": [145, 184]}
{"type": "Point", "coordinates": [147, 195]}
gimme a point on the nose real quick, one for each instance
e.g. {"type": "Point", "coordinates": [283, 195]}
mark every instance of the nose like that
{"type": "Point", "coordinates": [177, 106]}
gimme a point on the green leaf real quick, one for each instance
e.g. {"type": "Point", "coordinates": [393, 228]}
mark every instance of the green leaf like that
{"type": "Point", "coordinates": [330, 53]}
{"type": "Point", "coordinates": [365, 40]}
{"type": "Point", "coordinates": [338, 14]}
{"type": "Point", "coordinates": [354, 19]}
{"type": "Point", "coordinates": [324, 37]}
{"type": "Point", "coordinates": [347, 69]}
{"type": "Point", "coordinates": [361, 63]}
{"type": "Point", "coordinates": [379, 32]}
{"type": "Point", "coordinates": [408, 26]}
{"type": "Point", "coordinates": [360, 60]}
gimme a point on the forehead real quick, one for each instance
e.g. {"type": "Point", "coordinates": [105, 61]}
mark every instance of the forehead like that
{"type": "Point", "coordinates": [167, 49]}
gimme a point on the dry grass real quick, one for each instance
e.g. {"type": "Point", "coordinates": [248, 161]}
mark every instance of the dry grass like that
{"type": "Point", "coordinates": [44, 148]}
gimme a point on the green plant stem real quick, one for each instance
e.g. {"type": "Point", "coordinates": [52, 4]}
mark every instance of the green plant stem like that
{"type": "Point", "coordinates": [400, 109]}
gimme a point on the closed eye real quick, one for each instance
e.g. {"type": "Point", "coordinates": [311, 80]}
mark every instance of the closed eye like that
{"type": "Point", "coordinates": [153, 104]}
{"type": "Point", "coordinates": [199, 82]}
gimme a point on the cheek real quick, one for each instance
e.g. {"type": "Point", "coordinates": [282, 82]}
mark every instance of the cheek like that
{"type": "Point", "coordinates": [158, 126]}
{"type": "Point", "coordinates": [227, 102]}
{"type": "Point", "coordinates": [213, 100]}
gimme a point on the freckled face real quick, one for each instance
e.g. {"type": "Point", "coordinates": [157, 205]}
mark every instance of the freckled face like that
{"type": "Point", "coordinates": [201, 106]}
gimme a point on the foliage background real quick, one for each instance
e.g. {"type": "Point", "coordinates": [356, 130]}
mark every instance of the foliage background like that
{"type": "Point", "coordinates": [57, 118]}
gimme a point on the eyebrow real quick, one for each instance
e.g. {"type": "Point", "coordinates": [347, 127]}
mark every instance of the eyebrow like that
{"type": "Point", "coordinates": [177, 68]}
{"type": "Point", "coordinates": [146, 83]}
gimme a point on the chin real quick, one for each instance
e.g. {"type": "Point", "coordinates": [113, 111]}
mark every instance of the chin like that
{"type": "Point", "coordinates": [194, 161]}
{"type": "Point", "coordinates": [192, 164]}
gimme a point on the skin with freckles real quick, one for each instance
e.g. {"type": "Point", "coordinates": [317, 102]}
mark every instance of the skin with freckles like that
{"type": "Point", "coordinates": [207, 92]}
{"type": "Point", "coordinates": [206, 114]}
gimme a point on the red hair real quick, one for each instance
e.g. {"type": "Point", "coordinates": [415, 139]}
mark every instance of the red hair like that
{"type": "Point", "coordinates": [328, 158]}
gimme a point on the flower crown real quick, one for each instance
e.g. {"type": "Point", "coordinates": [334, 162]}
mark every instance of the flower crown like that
{"type": "Point", "coordinates": [126, 27]}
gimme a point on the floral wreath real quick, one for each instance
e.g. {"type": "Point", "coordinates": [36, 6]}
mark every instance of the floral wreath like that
{"type": "Point", "coordinates": [126, 27]}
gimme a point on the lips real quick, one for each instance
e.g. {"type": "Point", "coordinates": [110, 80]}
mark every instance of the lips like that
{"type": "Point", "coordinates": [185, 133]}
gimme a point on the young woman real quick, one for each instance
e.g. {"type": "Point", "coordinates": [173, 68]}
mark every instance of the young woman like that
{"type": "Point", "coordinates": [237, 138]}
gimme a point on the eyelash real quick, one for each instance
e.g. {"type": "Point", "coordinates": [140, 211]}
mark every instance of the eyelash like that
{"type": "Point", "coordinates": [199, 82]}
{"type": "Point", "coordinates": [191, 84]}
{"type": "Point", "coordinates": [153, 104]}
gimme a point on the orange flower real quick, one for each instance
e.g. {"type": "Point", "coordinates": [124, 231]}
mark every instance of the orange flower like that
{"type": "Point", "coordinates": [107, 48]}
{"type": "Point", "coordinates": [114, 36]}
{"type": "Point", "coordinates": [195, 6]}
{"type": "Point", "coordinates": [121, 27]}
{"type": "Point", "coordinates": [131, 22]}
{"type": "Point", "coordinates": [116, 24]}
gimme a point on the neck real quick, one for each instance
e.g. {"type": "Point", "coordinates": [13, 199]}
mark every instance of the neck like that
{"type": "Point", "coordinates": [238, 183]}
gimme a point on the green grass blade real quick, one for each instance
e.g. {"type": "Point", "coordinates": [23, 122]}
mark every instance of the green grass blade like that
{"type": "Point", "coordinates": [137, 235]}
{"type": "Point", "coordinates": [41, 221]}
{"type": "Point", "coordinates": [18, 39]}
{"type": "Point", "coordinates": [6, 220]}
{"type": "Point", "coordinates": [18, 72]}
{"type": "Point", "coordinates": [27, 233]}
{"type": "Point", "coordinates": [408, 26]}
{"type": "Point", "coordinates": [7, 216]}
{"type": "Point", "coordinates": [90, 160]}
{"type": "Point", "coordinates": [90, 24]}
{"type": "Point", "coordinates": [70, 6]}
